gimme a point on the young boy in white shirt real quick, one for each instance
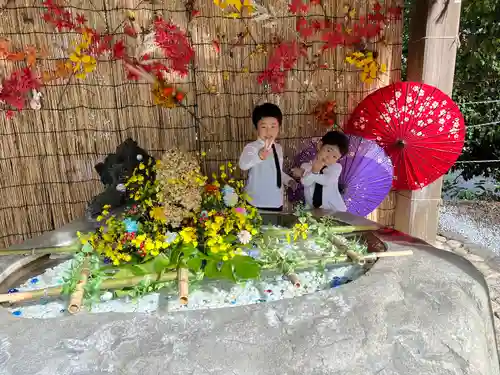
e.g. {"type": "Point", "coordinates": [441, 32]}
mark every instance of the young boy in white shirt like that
{"type": "Point", "coordinates": [320, 177]}
{"type": "Point", "coordinates": [263, 159]}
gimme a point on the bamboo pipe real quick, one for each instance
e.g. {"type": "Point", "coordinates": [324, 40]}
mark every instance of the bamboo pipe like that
{"type": "Point", "coordinates": [388, 254]}
{"type": "Point", "coordinates": [73, 248]}
{"type": "Point", "coordinates": [76, 298]}
{"type": "Point", "coordinates": [183, 280]}
{"type": "Point", "coordinates": [356, 257]}
{"type": "Point", "coordinates": [294, 279]}
{"type": "Point", "coordinates": [106, 284]}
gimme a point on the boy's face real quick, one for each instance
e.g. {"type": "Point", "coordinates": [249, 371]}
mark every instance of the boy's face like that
{"type": "Point", "coordinates": [268, 128]}
{"type": "Point", "coordinates": [329, 154]}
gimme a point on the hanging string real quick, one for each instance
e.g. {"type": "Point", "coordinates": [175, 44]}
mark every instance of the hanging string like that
{"type": "Point", "coordinates": [456, 39]}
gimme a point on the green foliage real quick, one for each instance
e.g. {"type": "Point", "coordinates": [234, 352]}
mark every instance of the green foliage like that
{"type": "Point", "coordinates": [479, 192]}
{"type": "Point", "coordinates": [477, 78]}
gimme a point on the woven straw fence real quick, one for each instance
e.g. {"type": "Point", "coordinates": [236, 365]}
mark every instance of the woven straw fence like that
{"type": "Point", "coordinates": [47, 156]}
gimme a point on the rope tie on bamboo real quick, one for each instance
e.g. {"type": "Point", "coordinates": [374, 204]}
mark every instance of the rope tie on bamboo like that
{"type": "Point", "coordinates": [456, 39]}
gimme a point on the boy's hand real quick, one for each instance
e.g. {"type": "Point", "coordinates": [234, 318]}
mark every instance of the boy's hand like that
{"type": "Point", "coordinates": [266, 150]}
{"type": "Point", "coordinates": [317, 165]}
{"type": "Point", "coordinates": [264, 153]}
{"type": "Point", "coordinates": [297, 172]}
{"type": "Point", "coordinates": [292, 184]}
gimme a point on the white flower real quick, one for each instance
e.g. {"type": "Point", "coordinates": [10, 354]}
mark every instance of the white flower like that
{"type": "Point", "coordinates": [170, 237]}
{"type": "Point", "coordinates": [121, 188]}
{"type": "Point", "coordinates": [244, 237]}
{"type": "Point", "coordinates": [230, 200]}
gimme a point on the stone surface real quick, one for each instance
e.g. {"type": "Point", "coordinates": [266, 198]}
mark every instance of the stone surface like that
{"type": "Point", "coordinates": [427, 313]}
{"type": "Point", "coordinates": [454, 244]}
{"type": "Point", "coordinates": [441, 239]}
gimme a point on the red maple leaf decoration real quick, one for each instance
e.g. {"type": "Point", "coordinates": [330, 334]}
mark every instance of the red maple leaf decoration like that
{"type": "Point", "coordinates": [17, 87]}
{"type": "Point", "coordinates": [377, 15]}
{"type": "Point", "coordinates": [395, 12]}
{"type": "Point", "coordinates": [283, 59]}
{"type": "Point", "coordinates": [303, 28]}
{"type": "Point", "coordinates": [80, 19]}
{"type": "Point", "coordinates": [119, 50]}
{"type": "Point", "coordinates": [333, 37]}
{"type": "Point", "coordinates": [174, 44]}
{"type": "Point", "coordinates": [297, 7]}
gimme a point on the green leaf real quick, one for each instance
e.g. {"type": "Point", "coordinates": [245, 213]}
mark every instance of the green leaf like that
{"type": "Point", "coordinates": [245, 267]}
{"type": "Point", "coordinates": [211, 270]}
{"type": "Point", "coordinates": [87, 248]}
{"type": "Point", "coordinates": [230, 238]}
{"type": "Point", "coordinates": [226, 271]}
{"type": "Point", "coordinates": [188, 250]}
{"type": "Point", "coordinates": [160, 263]}
{"type": "Point", "coordinates": [194, 264]}
{"type": "Point", "coordinates": [125, 272]}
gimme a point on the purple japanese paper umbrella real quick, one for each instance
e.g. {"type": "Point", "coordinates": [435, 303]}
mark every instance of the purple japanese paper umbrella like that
{"type": "Point", "coordinates": [366, 177]}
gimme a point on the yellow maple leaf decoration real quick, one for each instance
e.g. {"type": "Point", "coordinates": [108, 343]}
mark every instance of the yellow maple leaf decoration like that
{"type": "Point", "coordinates": [366, 61]}
{"type": "Point", "coordinates": [239, 5]}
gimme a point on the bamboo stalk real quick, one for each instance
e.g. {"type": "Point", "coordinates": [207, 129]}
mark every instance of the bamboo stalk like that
{"type": "Point", "coordinates": [294, 279]}
{"type": "Point", "coordinates": [183, 283]}
{"type": "Point", "coordinates": [73, 248]}
{"type": "Point", "coordinates": [351, 229]}
{"type": "Point", "coordinates": [356, 257]}
{"type": "Point", "coordinates": [76, 298]}
{"type": "Point", "coordinates": [388, 254]}
{"type": "Point", "coordinates": [106, 284]}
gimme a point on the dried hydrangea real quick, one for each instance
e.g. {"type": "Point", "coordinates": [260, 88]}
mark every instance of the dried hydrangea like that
{"type": "Point", "coordinates": [180, 185]}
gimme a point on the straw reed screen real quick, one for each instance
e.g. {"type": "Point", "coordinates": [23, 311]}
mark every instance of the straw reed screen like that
{"type": "Point", "coordinates": [47, 155]}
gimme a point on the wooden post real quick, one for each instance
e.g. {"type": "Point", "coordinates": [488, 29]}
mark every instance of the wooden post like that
{"type": "Point", "coordinates": [432, 48]}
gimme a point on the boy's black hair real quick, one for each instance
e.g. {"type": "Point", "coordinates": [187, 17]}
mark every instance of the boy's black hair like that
{"type": "Point", "coordinates": [335, 138]}
{"type": "Point", "coordinates": [266, 110]}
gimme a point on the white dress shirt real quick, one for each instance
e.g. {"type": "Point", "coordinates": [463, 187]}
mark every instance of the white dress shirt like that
{"type": "Point", "coordinates": [332, 200]}
{"type": "Point", "coordinates": [262, 185]}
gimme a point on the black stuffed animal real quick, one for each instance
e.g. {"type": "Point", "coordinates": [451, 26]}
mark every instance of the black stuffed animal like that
{"type": "Point", "coordinates": [114, 172]}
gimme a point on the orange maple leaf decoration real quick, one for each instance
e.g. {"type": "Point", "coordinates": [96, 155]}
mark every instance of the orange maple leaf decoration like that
{"type": "Point", "coordinates": [4, 48]}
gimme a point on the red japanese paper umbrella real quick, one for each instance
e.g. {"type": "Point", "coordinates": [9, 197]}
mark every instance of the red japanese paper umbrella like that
{"type": "Point", "coordinates": [419, 126]}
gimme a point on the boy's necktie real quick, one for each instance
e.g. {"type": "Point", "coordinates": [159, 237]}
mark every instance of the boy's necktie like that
{"type": "Point", "coordinates": [278, 168]}
{"type": "Point", "coordinates": [318, 193]}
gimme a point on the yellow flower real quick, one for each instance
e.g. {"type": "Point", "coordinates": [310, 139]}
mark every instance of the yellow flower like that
{"type": "Point", "coordinates": [224, 258]}
{"type": "Point", "coordinates": [188, 235]}
{"type": "Point", "coordinates": [158, 213]}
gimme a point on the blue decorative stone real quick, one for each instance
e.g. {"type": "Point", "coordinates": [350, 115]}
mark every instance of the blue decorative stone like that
{"type": "Point", "coordinates": [131, 226]}
{"type": "Point", "coordinates": [17, 313]}
{"type": "Point", "coordinates": [62, 310]}
{"type": "Point", "coordinates": [107, 260]}
{"type": "Point", "coordinates": [336, 282]}
{"type": "Point", "coordinates": [34, 280]}
{"type": "Point", "coordinates": [13, 290]}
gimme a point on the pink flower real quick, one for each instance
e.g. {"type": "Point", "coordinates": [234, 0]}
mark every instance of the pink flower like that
{"type": "Point", "coordinates": [240, 210]}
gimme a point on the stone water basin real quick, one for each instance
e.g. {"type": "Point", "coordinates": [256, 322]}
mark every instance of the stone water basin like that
{"type": "Point", "coordinates": [428, 313]}
{"type": "Point", "coordinates": [46, 272]}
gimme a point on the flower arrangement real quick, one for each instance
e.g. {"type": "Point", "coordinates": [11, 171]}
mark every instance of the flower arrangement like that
{"type": "Point", "coordinates": [182, 224]}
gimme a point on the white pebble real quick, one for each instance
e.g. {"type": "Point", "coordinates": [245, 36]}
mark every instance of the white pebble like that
{"type": "Point", "coordinates": [106, 296]}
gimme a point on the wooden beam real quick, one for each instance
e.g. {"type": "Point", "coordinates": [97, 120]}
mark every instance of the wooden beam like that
{"type": "Point", "coordinates": [432, 48]}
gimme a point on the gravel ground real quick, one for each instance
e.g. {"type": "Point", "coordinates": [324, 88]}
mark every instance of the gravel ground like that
{"type": "Point", "coordinates": [478, 221]}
